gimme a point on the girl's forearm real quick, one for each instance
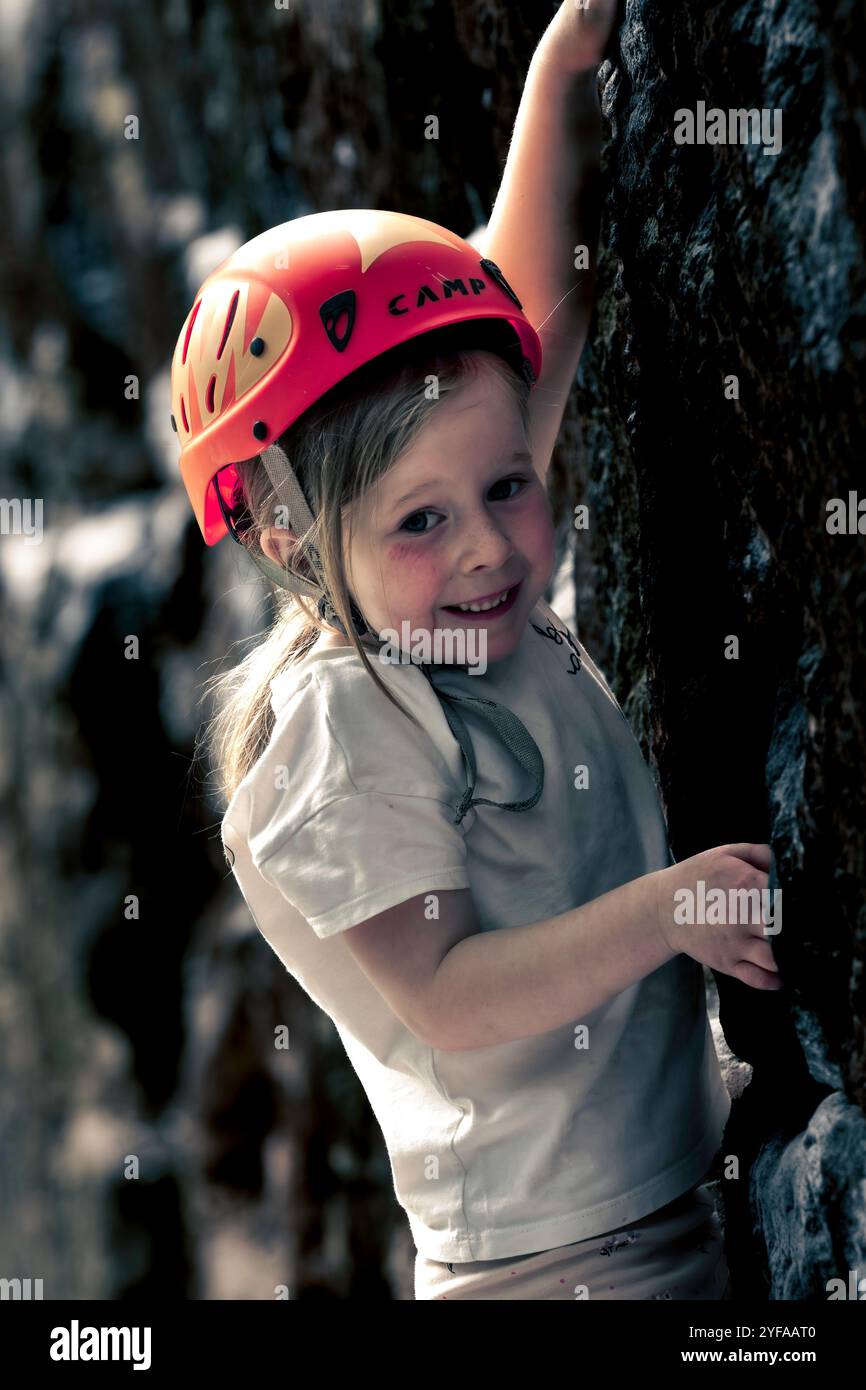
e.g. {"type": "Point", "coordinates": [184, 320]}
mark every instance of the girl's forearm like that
{"type": "Point", "coordinates": [516, 982]}
{"type": "Point", "coordinates": [549, 198]}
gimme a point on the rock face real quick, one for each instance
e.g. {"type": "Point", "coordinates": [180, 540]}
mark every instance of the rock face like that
{"type": "Point", "coordinates": [155, 1142]}
{"type": "Point", "coordinates": [722, 396]}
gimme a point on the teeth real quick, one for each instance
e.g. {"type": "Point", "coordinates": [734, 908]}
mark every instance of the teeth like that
{"type": "Point", "coordinates": [483, 607]}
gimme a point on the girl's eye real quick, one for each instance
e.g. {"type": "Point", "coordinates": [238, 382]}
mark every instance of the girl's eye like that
{"type": "Point", "coordinates": [504, 482]}
{"type": "Point", "coordinates": [407, 527]}
{"type": "Point", "coordinates": [521, 482]}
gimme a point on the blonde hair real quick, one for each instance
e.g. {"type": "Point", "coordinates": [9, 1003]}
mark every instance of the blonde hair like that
{"type": "Point", "coordinates": [338, 449]}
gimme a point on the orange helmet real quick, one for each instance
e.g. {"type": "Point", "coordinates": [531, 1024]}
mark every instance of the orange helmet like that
{"type": "Point", "coordinates": [297, 309]}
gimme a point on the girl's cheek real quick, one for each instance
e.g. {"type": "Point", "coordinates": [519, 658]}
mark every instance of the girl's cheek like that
{"type": "Point", "coordinates": [539, 539]}
{"type": "Point", "coordinates": [541, 522]}
{"type": "Point", "coordinates": [402, 552]}
{"type": "Point", "coordinates": [409, 563]}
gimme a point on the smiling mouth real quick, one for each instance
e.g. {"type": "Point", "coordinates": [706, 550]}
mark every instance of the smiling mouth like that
{"type": "Point", "coordinates": [498, 602]}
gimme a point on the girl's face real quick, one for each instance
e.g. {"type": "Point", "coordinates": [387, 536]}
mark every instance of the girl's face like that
{"type": "Point", "coordinates": [461, 517]}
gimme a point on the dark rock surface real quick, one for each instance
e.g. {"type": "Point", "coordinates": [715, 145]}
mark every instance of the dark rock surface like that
{"type": "Point", "coordinates": [710, 520]}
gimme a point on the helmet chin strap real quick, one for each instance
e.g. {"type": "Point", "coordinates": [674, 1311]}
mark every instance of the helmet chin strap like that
{"type": "Point", "coordinates": [291, 496]}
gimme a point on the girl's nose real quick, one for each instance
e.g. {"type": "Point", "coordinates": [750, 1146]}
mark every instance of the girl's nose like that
{"type": "Point", "coordinates": [485, 543]}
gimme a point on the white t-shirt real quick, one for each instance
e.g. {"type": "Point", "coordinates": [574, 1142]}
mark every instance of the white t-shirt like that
{"type": "Point", "coordinates": [522, 1146]}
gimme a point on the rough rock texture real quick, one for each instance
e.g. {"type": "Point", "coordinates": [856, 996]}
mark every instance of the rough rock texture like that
{"type": "Point", "coordinates": [709, 519]}
{"type": "Point", "coordinates": [152, 1035]}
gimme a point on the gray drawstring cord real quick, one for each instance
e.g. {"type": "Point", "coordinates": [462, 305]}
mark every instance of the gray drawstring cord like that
{"type": "Point", "coordinates": [513, 734]}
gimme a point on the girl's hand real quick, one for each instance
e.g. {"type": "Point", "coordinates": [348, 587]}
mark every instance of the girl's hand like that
{"type": "Point", "coordinates": [578, 34]}
{"type": "Point", "coordinates": [739, 948]}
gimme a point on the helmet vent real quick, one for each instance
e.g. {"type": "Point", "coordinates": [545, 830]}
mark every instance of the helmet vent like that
{"type": "Point", "coordinates": [210, 390]}
{"type": "Point", "coordinates": [230, 318]}
{"type": "Point", "coordinates": [332, 313]}
{"type": "Point", "coordinates": [192, 319]}
{"type": "Point", "coordinates": [491, 268]}
{"type": "Point", "coordinates": [183, 414]}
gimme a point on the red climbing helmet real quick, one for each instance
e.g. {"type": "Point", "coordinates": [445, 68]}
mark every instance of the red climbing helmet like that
{"type": "Point", "coordinates": [295, 310]}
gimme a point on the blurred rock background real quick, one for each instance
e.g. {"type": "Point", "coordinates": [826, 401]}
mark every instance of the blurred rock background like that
{"type": "Point", "coordinates": [153, 1144]}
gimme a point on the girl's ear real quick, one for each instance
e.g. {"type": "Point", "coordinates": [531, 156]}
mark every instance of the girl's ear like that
{"type": "Point", "coordinates": [279, 544]}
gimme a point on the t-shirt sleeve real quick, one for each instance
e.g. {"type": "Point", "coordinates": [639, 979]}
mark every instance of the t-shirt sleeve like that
{"type": "Point", "coordinates": [354, 806]}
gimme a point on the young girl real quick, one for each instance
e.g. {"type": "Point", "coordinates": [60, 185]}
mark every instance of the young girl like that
{"type": "Point", "coordinates": [437, 812]}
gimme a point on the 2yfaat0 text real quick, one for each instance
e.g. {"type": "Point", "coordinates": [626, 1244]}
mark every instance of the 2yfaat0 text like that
{"type": "Point", "coordinates": [713, 1333]}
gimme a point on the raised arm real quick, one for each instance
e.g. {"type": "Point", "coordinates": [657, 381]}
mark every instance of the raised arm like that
{"type": "Point", "coordinates": [548, 203]}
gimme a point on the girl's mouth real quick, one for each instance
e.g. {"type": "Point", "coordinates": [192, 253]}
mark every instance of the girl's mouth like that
{"type": "Point", "coordinates": [486, 614]}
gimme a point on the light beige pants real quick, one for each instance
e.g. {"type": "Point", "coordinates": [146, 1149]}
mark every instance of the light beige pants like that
{"type": "Point", "coordinates": [676, 1252]}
